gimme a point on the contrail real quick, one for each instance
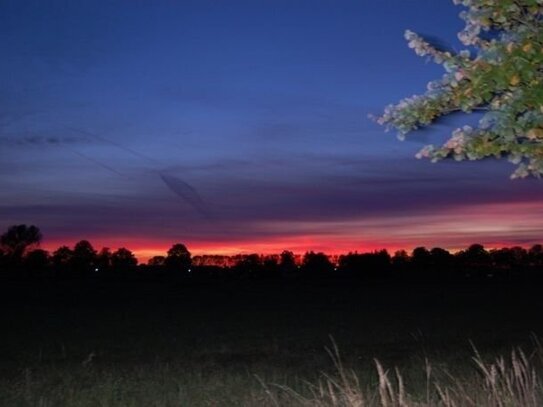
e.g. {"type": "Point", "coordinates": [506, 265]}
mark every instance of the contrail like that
{"type": "Point", "coordinates": [100, 164]}
{"type": "Point", "coordinates": [181, 188]}
{"type": "Point", "coordinates": [113, 143]}
{"type": "Point", "coordinates": [186, 192]}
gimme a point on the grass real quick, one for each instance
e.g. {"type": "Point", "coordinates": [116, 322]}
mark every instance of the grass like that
{"type": "Point", "coordinates": [503, 382]}
{"type": "Point", "coordinates": [264, 344]}
{"type": "Point", "coordinates": [512, 381]}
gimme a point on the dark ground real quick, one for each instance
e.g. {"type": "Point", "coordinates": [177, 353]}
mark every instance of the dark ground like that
{"type": "Point", "coordinates": [217, 336]}
{"type": "Point", "coordinates": [240, 322]}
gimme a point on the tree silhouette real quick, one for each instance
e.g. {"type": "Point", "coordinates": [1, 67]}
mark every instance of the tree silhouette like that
{"type": "Point", "coordinates": [316, 263]}
{"type": "Point", "coordinates": [103, 260]}
{"type": "Point", "coordinates": [18, 239]}
{"type": "Point", "coordinates": [475, 258]}
{"type": "Point", "coordinates": [3, 259]}
{"type": "Point", "coordinates": [270, 266]}
{"type": "Point", "coordinates": [84, 258]}
{"type": "Point", "coordinates": [421, 258]}
{"type": "Point", "coordinates": [123, 260]}
{"type": "Point", "coordinates": [178, 258]}
{"type": "Point", "coordinates": [535, 255]}
{"type": "Point", "coordinates": [287, 263]}
{"type": "Point", "coordinates": [37, 262]}
{"type": "Point", "coordinates": [157, 261]}
{"type": "Point", "coordinates": [63, 255]}
{"type": "Point", "coordinates": [433, 265]}
{"type": "Point", "coordinates": [248, 265]}
{"type": "Point", "coordinates": [502, 260]}
{"type": "Point", "coordinates": [366, 265]}
{"type": "Point", "coordinates": [62, 260]}
{"type": "Point", "coordinates": [520, 257]}
{"type": "Point", "coordinates": [400, 260]}
{"type": "Point", "coordinates": [442, 261]}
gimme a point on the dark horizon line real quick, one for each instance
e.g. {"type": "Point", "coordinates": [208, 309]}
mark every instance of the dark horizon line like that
{"type": "Point", "coordinates": [409, 253]}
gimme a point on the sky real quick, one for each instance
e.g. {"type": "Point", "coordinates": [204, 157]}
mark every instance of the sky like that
{"type": "Point", "coordinates": [237, 127]}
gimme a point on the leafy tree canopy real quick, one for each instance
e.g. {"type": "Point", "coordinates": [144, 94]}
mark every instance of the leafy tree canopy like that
{"type": "Point", "coordinates": [500, 73]}
{"type": "Point", "coordinates": [178, 257]}
{"type": "Point", "coordinates": [18, 238]}
{"type": "Point", "coordinates": [123, 259]}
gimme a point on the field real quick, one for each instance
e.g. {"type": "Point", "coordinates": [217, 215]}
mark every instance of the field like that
{"type": "Point", "coordinates": [262, 343]}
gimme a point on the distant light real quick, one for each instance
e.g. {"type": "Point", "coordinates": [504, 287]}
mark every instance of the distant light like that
{"type": "Point", "coordinates": [96, 269]}
{"type": "Point", "coordinates": [190, 271]}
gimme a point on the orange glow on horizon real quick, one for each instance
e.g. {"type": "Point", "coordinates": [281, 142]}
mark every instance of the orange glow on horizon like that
{"type": "Point", "coordinates": [493, 225]}
{"type": "Point", "coordinates": [146, 249]}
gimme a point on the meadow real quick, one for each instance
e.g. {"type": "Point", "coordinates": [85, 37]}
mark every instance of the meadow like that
{"type": "Point", "coordinates": [269, 343]}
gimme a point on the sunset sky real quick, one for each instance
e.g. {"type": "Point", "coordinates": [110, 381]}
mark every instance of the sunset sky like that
{"type": "Point", "coordinates": [237, 126]}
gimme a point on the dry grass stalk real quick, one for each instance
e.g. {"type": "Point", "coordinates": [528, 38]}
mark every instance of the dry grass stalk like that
{"type": "Point", "coordinates": [505, 382]}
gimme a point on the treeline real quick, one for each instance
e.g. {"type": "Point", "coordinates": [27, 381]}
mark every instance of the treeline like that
{"type": "Point", "coordinates": [21, 258]}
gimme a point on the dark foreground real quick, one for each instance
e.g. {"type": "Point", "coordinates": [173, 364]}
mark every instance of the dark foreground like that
{"type": "Point", "coordinates": [158, 343]}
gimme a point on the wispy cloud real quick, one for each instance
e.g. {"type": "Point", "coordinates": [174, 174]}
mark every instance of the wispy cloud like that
{"type": "Point", "coordinates": [41, 140]}
{"type": "Point", "coordinates": [187, 193]}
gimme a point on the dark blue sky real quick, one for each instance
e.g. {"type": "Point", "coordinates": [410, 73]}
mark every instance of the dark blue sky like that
{"type": "Point", "coordinates": [236, 126]}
